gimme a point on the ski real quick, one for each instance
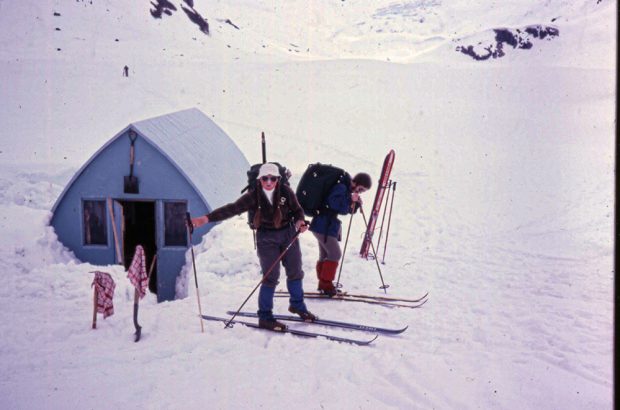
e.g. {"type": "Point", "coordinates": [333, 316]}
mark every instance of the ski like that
{"type": "Point", "coordinates": [351, 295]}
{"type": "Point", "coordinates": [385, 303]}
{"type": "Point", "coordinates": [333, 323]}
{"type": "Point", "coordinates": [294, 331]}
{"type": "Point", "coordinates": [376, 207]}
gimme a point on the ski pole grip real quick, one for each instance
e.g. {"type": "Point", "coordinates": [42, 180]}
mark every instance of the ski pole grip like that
{"type": "Point", "coordinates": [190, 225]}
{"type": "Point", "coordinates": [306, 223]}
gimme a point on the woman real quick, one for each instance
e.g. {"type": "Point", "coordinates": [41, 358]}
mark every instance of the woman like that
{"type": "Point", "coordinates": [277, 218]}
{"type": "Point", "coordinates": [343, 198]}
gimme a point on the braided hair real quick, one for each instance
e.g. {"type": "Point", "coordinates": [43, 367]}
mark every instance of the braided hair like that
{"type": "Point", "coordinates": [277, 215]}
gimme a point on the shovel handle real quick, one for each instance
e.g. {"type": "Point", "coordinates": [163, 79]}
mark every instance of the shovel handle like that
{"type": "Point", "coordinates": [132, 138]}
{"type": "Point", "coordinates": [131, 158]}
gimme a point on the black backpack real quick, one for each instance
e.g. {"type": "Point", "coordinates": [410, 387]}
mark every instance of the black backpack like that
{"type": "Point", "coordinates": [315, 184]}
{"type": "Point", "coordinates": [252, 184]}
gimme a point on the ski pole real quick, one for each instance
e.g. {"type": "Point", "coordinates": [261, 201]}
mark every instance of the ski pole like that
{"type": "Point", "coordinates": [273, 265]}
{"type": "Point", "coordinates": [387, 198]}
{"type": "Point", "coordinates": [384, 286]}
{"type": "Point", "coordinates": [387, 233]}
{"type": "Point", "coordinates": [190, 231]}
{"type": "Point", "coordinates": [338, 284]}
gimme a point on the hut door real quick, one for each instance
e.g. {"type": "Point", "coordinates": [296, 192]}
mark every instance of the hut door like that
{"type": "Point", "coordinates": [138, 228]}
{"type": "Point", "coordinates": [120, 229]}
{"type": "Point", "coordinates": [116, 211]}
{"type": "Point", "coordinates": [172, 245]}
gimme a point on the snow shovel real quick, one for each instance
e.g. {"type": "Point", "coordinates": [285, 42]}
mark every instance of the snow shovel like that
{"type": "Point", "coordinates": [131, 182]}
{"type": "Point", "coordinates": [136, 302]}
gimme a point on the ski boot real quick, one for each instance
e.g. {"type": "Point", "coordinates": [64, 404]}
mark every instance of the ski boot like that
{"type": "Point", "coordinates": [271, 324]}
{"type": "Point", "coordinates": [305, 315]}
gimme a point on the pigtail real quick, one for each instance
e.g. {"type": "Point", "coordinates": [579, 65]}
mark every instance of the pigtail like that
{"type": "Point", "coordinates": [277, 215]}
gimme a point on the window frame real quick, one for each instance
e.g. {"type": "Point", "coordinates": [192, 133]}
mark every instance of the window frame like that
{"type": "Point", "coordinates": [105, 223]}
{"type": "Point", "coordinates": [165, 225]}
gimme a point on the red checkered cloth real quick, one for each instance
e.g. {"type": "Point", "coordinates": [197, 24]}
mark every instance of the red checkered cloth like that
{"type": "Point", "coordinates": [137, 271]}
{"type": "Point", "coordinates": [105, 286]}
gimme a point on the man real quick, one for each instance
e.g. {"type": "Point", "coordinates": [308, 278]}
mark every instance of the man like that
{"type": "Point", "coordinates": [278, 217]}
{"type": "Point", "coordinates": [343, 198]}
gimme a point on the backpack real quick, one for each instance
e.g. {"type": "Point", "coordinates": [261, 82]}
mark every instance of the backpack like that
{"type": "Point", "coordinates": [252, 184]}
{"type": "Point", "coordinates": [315, 184]}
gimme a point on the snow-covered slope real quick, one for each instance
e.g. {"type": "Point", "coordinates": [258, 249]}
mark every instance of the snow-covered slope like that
{"type": "Point", "coordinates": [503, 211]}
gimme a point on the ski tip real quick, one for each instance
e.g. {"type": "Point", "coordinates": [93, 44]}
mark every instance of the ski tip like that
{"type": "Point", "coordinates": [422, 303]}
{"type": "Point", "coordinates": [402, 330]}
{"type": "Point", "coordinates": [360, 342]}
{"type": "Point", "coordinates": [372, 340]}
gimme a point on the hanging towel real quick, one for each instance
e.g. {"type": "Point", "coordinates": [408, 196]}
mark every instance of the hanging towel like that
{"type": "Point", "coordinates": [105, 293]}
{"type": "Point", "coordinates": [137, 271]}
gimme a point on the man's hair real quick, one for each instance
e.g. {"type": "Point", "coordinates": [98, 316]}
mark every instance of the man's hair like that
{"type": "Point", "coordinates": [363, 179]}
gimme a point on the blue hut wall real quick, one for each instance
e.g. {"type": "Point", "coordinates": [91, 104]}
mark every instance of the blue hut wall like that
{"type": "Point", "coordinates": [181, 157]}
{"type": "Point", "coordinates": [102, 177]}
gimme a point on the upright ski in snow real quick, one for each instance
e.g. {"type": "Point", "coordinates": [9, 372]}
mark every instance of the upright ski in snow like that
{"type": "Point", "coordinates": [293, 331]}
{"type": "Point", "coordinates": [376, 207]}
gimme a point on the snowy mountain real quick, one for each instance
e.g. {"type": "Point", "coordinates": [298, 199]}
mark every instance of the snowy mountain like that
{"type": "Point", "coordinates": [504, 209]}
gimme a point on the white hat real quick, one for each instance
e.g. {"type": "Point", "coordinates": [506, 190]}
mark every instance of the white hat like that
{"type": "Point", "coordinates": [268, 169]}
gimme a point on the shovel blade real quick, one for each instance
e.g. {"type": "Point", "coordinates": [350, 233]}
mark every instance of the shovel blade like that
{"type": "Point", "coordinates": [138, 333]}
{"type": "Point", "coordinates": [131, 185]}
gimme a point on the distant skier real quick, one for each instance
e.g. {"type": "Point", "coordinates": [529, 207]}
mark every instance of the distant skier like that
{"type": "Point", "coordinates": [278, 216]}
{"type": "Point", "coordinates": [343, 198]}
{"type": "Point", "coordinates": [125, 71]}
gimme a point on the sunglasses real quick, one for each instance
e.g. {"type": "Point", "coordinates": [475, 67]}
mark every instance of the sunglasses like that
{"type": "Point", "coordinates": [272, 179]}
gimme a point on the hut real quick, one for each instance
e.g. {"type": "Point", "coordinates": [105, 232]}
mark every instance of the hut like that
{"type": "Point", "coordinates": [137, 188]}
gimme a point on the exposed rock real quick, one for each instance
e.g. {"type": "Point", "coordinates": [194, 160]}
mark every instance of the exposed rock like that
{"type": "Point", "coordinates": [162, 7]}
{"type": "Point", "coordinates": [517, 38]}
{"type": "Point", "coordinates": [227, 21]}
{"type": "Point", "coordinates": [197, 19]}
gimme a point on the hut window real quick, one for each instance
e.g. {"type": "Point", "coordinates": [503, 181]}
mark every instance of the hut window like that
{"type": "Point", "coordinates": [175, 231]}
{"type": "Point", "coordinates": [95, 223]}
